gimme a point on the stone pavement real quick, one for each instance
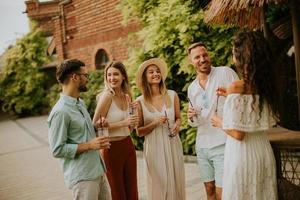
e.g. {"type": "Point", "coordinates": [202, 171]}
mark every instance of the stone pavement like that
{"type": "Point", "coordinates": [29, 172]}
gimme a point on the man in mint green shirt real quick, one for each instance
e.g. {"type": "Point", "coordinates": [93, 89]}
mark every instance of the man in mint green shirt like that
{"type": "Point", "coordinates": [73, 139]}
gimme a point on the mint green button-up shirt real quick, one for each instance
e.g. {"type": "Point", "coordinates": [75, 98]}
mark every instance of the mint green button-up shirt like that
{"type": "Point", "coordinates": [69, 125]}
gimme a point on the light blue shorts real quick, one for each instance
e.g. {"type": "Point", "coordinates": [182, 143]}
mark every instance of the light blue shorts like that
{"type": "Point", "coordinates": [211, 164]}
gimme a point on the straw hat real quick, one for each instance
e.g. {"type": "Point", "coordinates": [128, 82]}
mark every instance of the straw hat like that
{"type": "Point", "coordinates": [161, 64]}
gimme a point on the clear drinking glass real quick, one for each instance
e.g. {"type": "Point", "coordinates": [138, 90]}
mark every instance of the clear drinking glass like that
{"type": "Point", "coordinates": [132, 111]}
{"type": "Point", "coordinates": [168, 124]}
{"type": "Point", "coordinates": [103, 131]}
{"type": "Point", "coordinates": [171, 133]}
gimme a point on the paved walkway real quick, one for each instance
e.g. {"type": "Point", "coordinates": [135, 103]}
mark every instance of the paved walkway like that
{"type": "Point", "coordinates": [29, 172]}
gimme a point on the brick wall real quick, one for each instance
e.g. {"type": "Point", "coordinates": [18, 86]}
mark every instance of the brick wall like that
{"type": "Point", "coordinates": [94, 25]}
{"type": "Point", "coordinates": [82, 27]}
{"type": "Point", "coordinates": [43, 12]}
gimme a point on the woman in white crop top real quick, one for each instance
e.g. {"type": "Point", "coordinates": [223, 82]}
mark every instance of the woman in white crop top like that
{"type": "Point", "coordinates": [160, 122]}
{"type": "Point", "coordinates": [249, 111]}
{"type": "Point", "coordinates": [120, 159]}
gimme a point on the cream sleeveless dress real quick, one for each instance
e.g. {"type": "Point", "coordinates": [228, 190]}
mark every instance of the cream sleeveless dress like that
{"type": "Point", "coordinates": [164, 158]}
{"type": "Point", "coordinates": [249, 165]}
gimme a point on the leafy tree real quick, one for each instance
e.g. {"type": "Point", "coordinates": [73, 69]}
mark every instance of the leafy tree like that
{"type": "Point", "coordinates": [168, 27]}
{"type": "Point", "coordinates": [22, 82]}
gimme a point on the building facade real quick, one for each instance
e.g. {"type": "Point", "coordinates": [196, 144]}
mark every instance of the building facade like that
{"type": "Point", "coordinates": [89, 30]}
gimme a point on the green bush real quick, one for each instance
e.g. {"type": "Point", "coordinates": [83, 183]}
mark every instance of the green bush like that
{"type": "Point", "coordinates": [168, 28]}
{"type": "Point", "coordinates": [22, 83]}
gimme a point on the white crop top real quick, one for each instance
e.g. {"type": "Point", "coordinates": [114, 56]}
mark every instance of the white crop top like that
{"type": "Point", "coordinates": [115, 114]}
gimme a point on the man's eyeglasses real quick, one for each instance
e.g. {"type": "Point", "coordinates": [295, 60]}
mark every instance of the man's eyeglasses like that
{"type": "Point", "coordinates": [84, 74]}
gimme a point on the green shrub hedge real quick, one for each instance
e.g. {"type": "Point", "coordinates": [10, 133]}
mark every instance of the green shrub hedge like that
{"type": "Point", "coordinates": [23, 84]}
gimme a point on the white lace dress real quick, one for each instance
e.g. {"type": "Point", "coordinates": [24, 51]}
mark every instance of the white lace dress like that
{"type": "Point", "coordinates": [249, 165]}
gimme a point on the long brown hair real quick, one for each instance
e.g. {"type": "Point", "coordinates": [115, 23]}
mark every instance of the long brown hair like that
{"type": "Point", "coordinates": [146, 90]}
{"type": "Point", "coordinates": [125, 83]}
{"type": "Point", "coordinates": [254, 62]}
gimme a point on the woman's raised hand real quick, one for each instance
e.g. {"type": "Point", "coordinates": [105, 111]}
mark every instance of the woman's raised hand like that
{"type": "Point", "coordinates": [175, 128]}
{"type": "Point", "coordinates": [161, 120]}
{"type": "Point", "coordinates": [221, 91]}
{"type": "Point", "coordinates": [134, 104]}
{"type": "Point", "coordinates": [102, 122]}
{"type": "Point", "coordinates": [132, 120]}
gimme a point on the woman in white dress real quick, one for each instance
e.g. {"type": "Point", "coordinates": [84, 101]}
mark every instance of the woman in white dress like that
{"type": "Point", "coordinates": [249, 110]}
{"type": "Point", "coordinates": [160, 122]}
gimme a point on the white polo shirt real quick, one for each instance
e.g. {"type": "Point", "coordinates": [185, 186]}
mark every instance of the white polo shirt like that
{"type": "Point", "coordinates": [205, 101]}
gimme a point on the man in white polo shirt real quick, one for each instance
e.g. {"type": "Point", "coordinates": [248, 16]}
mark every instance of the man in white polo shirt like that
{"type": "Point", "coordinates": [204, 103]}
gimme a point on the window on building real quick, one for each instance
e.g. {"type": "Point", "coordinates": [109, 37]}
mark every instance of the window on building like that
{"type": "Point", "coordinates": [51, 49]}
{"type": "Point", "coordinates": [101, 59]}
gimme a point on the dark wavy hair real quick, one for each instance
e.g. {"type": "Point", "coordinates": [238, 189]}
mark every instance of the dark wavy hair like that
{"type": "Point", "coordinates": [66, 68]}
{"type": "Point", "coordinates": [254, 62]}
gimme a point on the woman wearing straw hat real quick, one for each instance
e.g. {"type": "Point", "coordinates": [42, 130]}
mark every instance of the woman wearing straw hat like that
{"type": "Point", "coordinates": [160, 123]}
{"type": "Point", "coordinates": [120, 159]}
